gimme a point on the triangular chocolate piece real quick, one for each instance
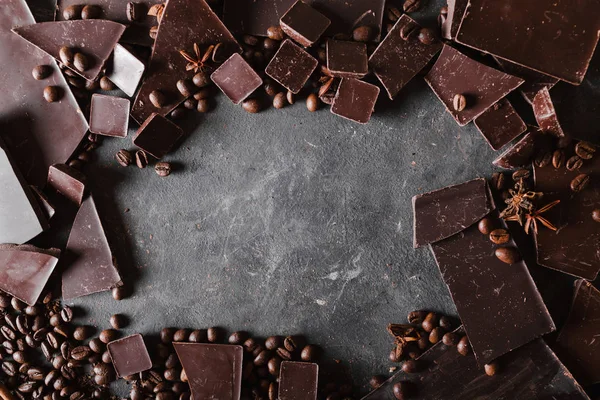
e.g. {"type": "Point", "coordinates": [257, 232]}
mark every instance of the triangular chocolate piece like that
{"type": "Point", "coordinates": [90, 267]}
{"type": "Point", "coordinates": [94, 38]}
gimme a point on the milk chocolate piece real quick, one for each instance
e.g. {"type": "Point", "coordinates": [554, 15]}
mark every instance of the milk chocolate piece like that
{"type": "Point", "coordinates": [545, 114]}
{"type": "Point", "coordinates": [556, 39]}
{"type": "Point", "coordinates": [129, 355]}
{"type": "Point", "coordinates": [291, 66]}
{"type": "Point", "coordinates": [90, 267]}
{"type": "Point", "coordinates": [578, 345]}
{"type": "Point", "coordinates": [67, 181]}
{"type": "Point", "coordinates": [298, 381]}
{"type": "Point", "coordinates": [183, 24]}
{"type": "Point", "coordinates": [521, 154]}
{"type": "Point", "coordinates": [214, 371]}
{"type": "Point", "coordinates": [498, 303]}
{"type": "Point", "coordinates": [573, 249]}
{"type": "Point", "coordinates": [125, 70]}
{"type": "Point", "coordinates": [157, 136]}
{"type": "Point", "coordinates": [45, 204]}
{"type": "Point", "coordinates": [304, 24]}
{"type": "Point", "coordinates": [355, 100]}
{"type": "Point", "coordinates": [109, 115]}
{"type": "Point", "coordinates": [456, 74]}
{"type": "Point", "coordinates": [534, 81]}
{"type": "Point", "coordinates": [500, 124]}
{"type": "Point", "coordinates": [456, 10]}
{"type": "Point", "coordinates": [25, 269]}
{"type": "Point", "coordinates": [445, 212]}
{"type": "Point", "coordinates": [94, 38]}
{"type": "Point", "coordinates": [396, 61]}
{"type": "Point", "coordinates": [347, 59]}
{"type": "Point", "coordinates": [37, 133]}
{"type": "Point", "coordinates": [236, 78]}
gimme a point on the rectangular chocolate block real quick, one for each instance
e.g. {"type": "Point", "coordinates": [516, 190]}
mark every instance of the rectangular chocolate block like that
{"type": "Point", "coordinates": [522, 153]}
{"type": "Point", "coordinates": [498, 303]}
{"type": "Point", "coordinates": [291, 66]}
{"type": "Point", "coordinates": [556, 38]}
{"type": "Point", "coordinates": [304, 24]}
{"type": "Point", "coordinates": [67, 181]}
{"type": "Point", "coordinates": [298, 381]}
{"type": "Point", "coordinates": [534, 81]}
{"type": "Point", "coordinates": [456, 10]}
{"type": "Point", "coordinates": [396, 61]}
{"type": "Point", "coordinates": [435, 215]}
{"type": "Point", "coordinates": [214, 371]}
{"type": "Point", "coordinates": [355, 100]}
{"type": "Point", "coordinates": [347, 59]}
{"type": "Point", "coordinates": [109, 115]}
{"type": "Point", "coordinates": [236, 78]}
{"type": "Point", "coordinates": [500, 124]}
{"type": "Point", "coordinates": [157, 135]}
{"type": "Point", "coordinates": [129, 355]}
{"type": "Point", "coordinates": [125, 70]}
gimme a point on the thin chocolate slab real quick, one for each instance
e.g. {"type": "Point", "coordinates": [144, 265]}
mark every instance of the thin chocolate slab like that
{"type": "Point", "coordinates": [291, 66]}
{"type": "Point", "coordinates": [555, 38]}
{"type": "Point", "coordinates": [125, 70]}
{"type": "Point", "coordinates": [94, 38]}
{"type": "Point", "coordinates": [236, 78]}
{"type": "Point", "coordinates": [67, 181]}
{"type": "Point", "coordinates": [129, 355]}
{"type": "Point", "coordinates": [531, 372]}
{"type": "Point", "coordinates": [456, 74]}
{"type": "Point", "coordinates": [91, 267]}
{"type": "Point", "coordinates": [456, 10]}
{"type": "Point", "coordinates": [184, 23]}
{"type": "Point", "coordinates": [157, 136]}
{"type": "Point", "coordinates": [37, 133]}
{"type": "Point", "coordinates": [298, 381]}
{"type": "Point", "coordinates": [25, 269]}
{"type": "Point", "coordinates": [214, 371]}
{"type": "Point", "coordinates": [578, 345]}
{"type": "Point", "coordinates": [304, 24]}
{"type": "Point", "coordinates": [534, 81]}
{"type": "Point", "coordinates": [109, 115]}
{"type": "Point", "coordinates": [573, 249]}
{"type": "Point", "coordinates": [396, 61]}
{"type": "Point", "coordinates": [445, 212]}
{"type": "Point", "coordinates": [545, 114]}
{"type": "Point", "coordinates": [355, 100]}
{"type": "Point", "coordinates": [521, 154]}
{"type": "Point", "coordinates": [500, 124]}
{"type": "Point", "coordinates": [45, 204]}
{"type": "Point", "coordinates": [498, 303]}
{"type": "Point", "coordinates": [347, 59]}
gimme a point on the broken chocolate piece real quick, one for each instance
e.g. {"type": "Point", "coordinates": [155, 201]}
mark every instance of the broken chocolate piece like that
{"type": "Point", "coordinates": [109, 115]}
{"type": "Point", "coordinates": [534, 81]}
{"type": "Point", "coordinates": [44, 202]}
{"type": "Point", "coordinates": [556, 39]}
{"type": "Point", "coordinates": [347, 59]}
{"type": "Point", "coordinates": [396, 61]}
{"type": "Point", "coordinates": [355, 100]}
{"type": "Point", "coordinates": [456, 10]}
{"type": "Point", "coordinates": [129, 355]}
{"type": "Point", "coordinates": [90, 267]}
{"type": "Point", "coordinates": [500, 124]}
{"type": "Point", "coordinates": [455, 73]}
{"type": "Point", "coordinates": [445, 212]}
{"type": "Point", "coordinates": [545, 114]}
{"type": "Point", "coordinates": [236, 78]}
{"type": "Point", "coordinates": [214, 371]}
{"type": "Point", "coordinates": [125, 70]}
{"type": "Point", "coordinates": [291, 66]}
{"type": "Point", "coordinates": [67, 181]}
{"type": "Point", "coordinates": [521, 154]}
{"type": "Point", "coordinates": [157, 136]}
{"type": "Point", "coordinates": [304, 24]}
{"type": "Point", "coordinates": [298, 381]}
{"type": "Point", "coordinates": [94, 38]}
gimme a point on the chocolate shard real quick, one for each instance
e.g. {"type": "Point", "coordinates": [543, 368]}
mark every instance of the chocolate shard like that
{"type": "Point", "coordinates": [522, 32]}
{"type": "Point", "coordinates": [184, 24]}
{"type": "Point", "coordinates": [67, 181]}
{"type": "Point", "coordinates": [396, 61]}
{"type": "Point", "coordinates": [214, 371]}
{"type": "Point", "coordinates": [534, 81]}
{"type": "Point", "coordinates": [482, 285]}
{"type": "Point", "coordinates": [304, 24]}
{"type": "Point", "coordinates": [91, 267]}
{"type": "Point", "coordinates": [577, 344]}
{"type": "Point", "coordinates": [455, 74]}
{"type": "Point", "coordinates": [355, 100]}
{"type": "Point", "coordinates": [109, 115]}
{"type": "Point", "coordinates": [531, 372]}
{"type": "Point", "coordinates": [94, 38]}
{"type": "Point", "coordinates": [545, 114]}
{"type": "Point", "coordinates": [456, 11]}
{"type": "Point", "coordinates": [44, 202]}
{"type": "Point", "coordinates": [521, 154]}
{"type": "Point", "coordinates": [129, 355]}
{"type": "Point", "coordinates": [157, 136]}
{"type": "Point", "coordinates": [573, 248]}
{"type": "Point", "coordinates": [125, 70]}
{"type": "Point", "coordinates": [446, 212]}
{"type": "Point", "coordinates": [500, 124]}
{"type": "Point", "coordinates": [291, 66]}
{"type": "Point", "coordinates": [347, 59]}
{"type": "Point", "coordinates": [25, 269]}
{"type": "Point", "coordinates": [298, 381]}
{"type": "Point", "coordinates": [236, 79]}
{"type": "Point", "coordinates": [37, 133]}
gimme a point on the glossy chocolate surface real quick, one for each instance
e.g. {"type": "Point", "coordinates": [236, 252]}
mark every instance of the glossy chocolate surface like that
{"type": "Point", "coordinates": [304, 24]}
{"type": "Point", "coordinates": [298, 381]}
{"type": "Point", "coordinates": [500, 124]}
{"type": "Point", "coordinates": [347, 59]}
{"type": "Point", "coordinates": [109, 115]}
{"type": "Point", "coordinates": [157, 135]}
{"type": "Point", "coordinates": [291, 66]}
{"type": "Point", "coordinates": [236, 78]}
{"type": "Point", "coordinates": [129, 355]}
{"type": "Point", "coordinates": [125, 70]}
{"type": "Point", "coordinates": [67, 181]}
{"type": "Point", "coordinates": [355, 100]}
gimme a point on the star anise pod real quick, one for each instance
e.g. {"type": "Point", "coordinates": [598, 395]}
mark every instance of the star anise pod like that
{"type": "Point", "coordinates": [198, 61]}
{"type": "Point", "coordinates": [535, 216]}
{"type": "Point", "coordinates": [519, 203]}
{"type": "Point", "coordinates": [403, 333]}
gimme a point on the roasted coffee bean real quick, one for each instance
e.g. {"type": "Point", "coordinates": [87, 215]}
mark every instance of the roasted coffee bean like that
{"type": "Point", "coordinates": [410, 366]}
{"type": "Point", "coordinates": [574, 163]}
{"type": "Point", "coordinates": [101, 369]}
{"type": "Point", "coordinates": [60, 383]}
{"type": "Point", "coordinates": [268, 45]}
{"type": "Point", "coordinates": [106, 357]}
{"type": "Point", "coordinates": [181, 335]}
{"type": "Point", "coordinates": [363, 33]}
{"type": "Point", "coordinates": [237, 337]}
{"type": "Point", "coordinates": [500, 236]}
{"type": "Point", "coordinates": [91, 12]}
{"type": "Point", "coordinates": [81, 353]}
{"type": "Point", "coordinates": [63, 330]}
{"type": "Point", "coordinates": [165, 395]}
{"type": "Point", "coordinates": [274, 365]}
{"type": "Point", "coordinates": [92, 86]}
{"type": "Point", "coordinates": [52, 94]}
{"type": "Point", "coordinates": [55, 320]}
{"type": "Point", "coordinates": [66, 55]}
{"type": "Point", "coordinates": [376, 381]}
{"type": "Point", "coordinates": [118, 321]}
{"type": "Point", "coordinates": [21, 345]}
{"type": "Point", "coordinates": [290, 97]}
{"type": "Point", "coordinates": [23, 323]}
{"type": "Point", "coordinates": [401, 390]}
{"type": "Point", "coordinates": [66, 314]}
{"type": "Point", "coordinates": [485, 226]}
{"type": "Point", "coordinates": [203, 106]}
{"type": "Point", "coordinates": [275, 33]}
{"type": "Point", "coordinates": [172, 374]}
{"type": "Point", "coordinates": [190, 104]}
{"type": "Point", "coordinates": [141, 160]}
{"type": "Point", "coordinates": [51, 377]}
{"type": "Point", "coordinates": [416, 317]}
{"type": "Point", "coordinates": [186, 87]}
{"type": "Point", "coordinates": [250, 40]}
{"type": "Point", "coordinates": [459, 102]}
{"type": "Point", "coordinates": [40, 72]}
{"type": "Point", "coordinates": [8, 333]}
{"type": "Point", "coordinates": [120, 292]}
{"type": "Point", "coordinates": [411, 5]}
{"type": "Point", "coordinates": [273, 342]}
{"type": "Point", "coordinates": [172, 361]}
{"type": "Point", "coordinates": [312, 102]}
{"type": "Point", "coordinates": [17, 304]}
{"type": "Point", "coordinates": [214, 334]}
{"type": "Point", "coordinates": [585, 150]}
{"type": "Point", "coordinates": [9, 347]}
{"type": "Point", "coordinates": [77, 395]}
{"type": "Point", "coordinates": [58, 361]}
{"type": "Point", "coordinates": [430, 322]}
{"type": "Point", "coordinates": [80, 62]}
{"type": "Point", "coordinates": [20, 357]}
{"type": "Point", "coordinates": [427, 36]}
{"type": "Point", "coordinates": [263, 358]}
{"type": "Point", "coordinates": [423, 343]}
{"type": "Point", "coordinates": [163, 168]}
{"type": "Point", "coordinates": [82, 332]}
{"type": "Point", "coordinates": [310, 353]}
{"type": "Point", "coordinates": [280, 101]}
{"type": "Point", "coordinates": [153, 32]}
{"type": "Point", "coordinates": [166, 335]}
{"type": "Point", "coordinates": [521, 175]}
{"type": "Point", "coordinates": [76, 81]}
{"type": "Point", "coordinates": [27, 387]}
{"type": "Point", "coordinates": [250, 345]}
{"type": "Point", "coordinates": [35, 374]}
{"type": "Point", "coordinates": [558, 158]}
{"type": "Point", "coordinates": [201, 79]}
{"type": "Point", "coordinates": [178, 113]}
{"type": "Point", "coordinates": [543, 159]}
{"type": "Point", "coordinates": [270, 88]}
{"type": "Point", "coordinates": [508, 255]}
{"type": "Point", "coordinates": [450, 339]}
{"type": "Point", "coordinates": [596, 215]}
{"type": "Point", "coordinates": [158, 98]}
{"type": "Point", "coordinates": [436, 335]}
{"type": "Point", "coordinates": [134, 11]}
{"type": "Point", "coordinates": [273, 391]}
{"type": "Point", "coordinates": [4, 301]}
{"type": "Point", "coordinates": [68, 372]}
{"type": "Point", "coordinates": [106, 84]}
{"type": "Point", "coordinates": [31, 342]}
{"type": "Point", "coordinates": [76, 363]}
{"type": "Point", "coordinates": [54, 340]}
{"type": "Point", "coordinates": [72, 12]}
{"type": "Point", "coordinates": [10, 368]}
{"type": "Point", "coordinates": [199, 336]}
{"type": "Point", "coordinates": [65, 350]}
{"type": "Point", "coordinates": [124, 157]}
{"type": "Point", "coordinates": [580, 182]}
{"type": "Point", "coordinates": [108, 335]}
{"type": "Point", "coordinates": [491, 369]}
{"type": "Point", "coordinates": [446, 323]}
{"type": "Point", "coordinates": [40, 334]}
{"type": "Point", "coordinates": [251, 106]}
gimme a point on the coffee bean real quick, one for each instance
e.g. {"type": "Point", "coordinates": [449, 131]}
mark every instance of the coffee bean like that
{"type": "Point", "coordinates": [214, 334]}
{"type": "Point", "coordinates": [263, 357]}
{"type": "Point", "coordinates": [80, 62]}
{"type": "Point", "coordinates": [60, 383]}
{"type": "Point", "coordinates": [162, 168]}
{"type": "Point", "coordinates": [203, 106]}
{"type": "Point", "coordinates": [271, 88]}
{"type": "Point", "coordinates": [119, 293]}
{"type": "Point", "coordinates": [401, 390]}
{"type": "Point", "coordinates": [63, 330]}
{"type": "Point", "coordinates": [172, 374]}
{"type": "Point", "coordinates": [20, 357]}
{"type": "Point", "coordinates": [167, 334]}
{"type": "Point", "coordinates": [521, 175]}
{"type": "Point", "coordinates": [66, 55]}
{"type": "Point", "coordinates": [251, 106]}
{"type": "Point", "coordinates": [178, 113]}
{"type": "Point", "coordinates": [172, 361]}
{"type": "Point", "coordinates": [186, 87]}
{"type": "Point", "coordinates": [280, 101]}
{"type": "Point", "coordinates": [8, 333]}
{"type": "Point", "coordinates": [508, 255]}
{"type": "Point", "coordinates": [268, 45]}
{"type": "Point", "coordinates": [141, 159]}
{"type": "Point", "coordinates": [543, 159]}
{"type": "Point", "coordinates": [199, 336]}
{"type": "Point", "coordinates": [106, 84]}
{"type": "Point", "coordinates": [54, 340]}
{"type": "Point", "coordinates": [275, 33]}
{"type": "Point", "coordinates": [106, 357]}
{"type": "Point", "coordinates": [68, 372]}
{"type": "Point", "coordinates": [363, 33]}
{"type": "Point", "coordinates": [273, 391]}
{"type": "Point", "coordinates": [52, 94]}
{"type": "Point", "coordinates": [430, 322]}
{"type": "Point", "coordinates": [158, 98]}
{"type": "Point", "coordinates": [309, 353]}
{"type": "Point", "coordinates": [72, 12]}
{"type": "Point", "coordinates": [416, 317]}
{"type": "Point", "coordinates": [463, 346]}
{"type": "Point", "coordinates": [450, 339]}
{"type": "Point", "coordinates": [274, 365]}
{"type": "Point", "coordinates": [411, 5]}
{"type": "Point", "coordinates": [10, 368]}
{"type": "Point", "coordinates": [201, 79]}
{"type": "Point", "coordinates": [250, 40]}
{"type": "Point", "coordinates": [190, 104]}
{"type": "Point", "coordinates": [181, 335]}
{"type": "Point", "coordinates": [585, 150]}
{"type": "Point", "coordinates": [427, 36]}
{"type": "Point", "coordinates": [81, 352]}
{"type": "Point", "coordinates": [153, 32]}
{"type": "Point", "coordinates": [118, 321]}
{"type": "Point", "coordinates": [558, 158]}
{"type": "Point", "coordinates": [40, 72]}
{"type": "Point", "coordinates": [500, 236]}
{"type": "Point", "coordinates": [580, 182]}
{"type": "Point", "coordinates": [81, 333]}
{"type": "Point", "coordinates": [134, 11]}
{"type": "Point", "coordinates": [491, 369]}
{"type": "Point", "coordinates": [436, 335]}
{"type": "Point", "coordinates": [108, 335]}
{"type": "Point", "coordinates": [485, 226]}
{"type": "Point", "coordinates": [376, 381]}
{"type": "Point", "coordinates": [66, 314]}
{"type": "Point", "coordinates": [574, 163]}
{"type": "Point", "coordinates": [312, 102]}
{"type": "Point", "coordinates": [124, 157]}
{"type": "Point", "coordinates": [459, 102]}
{"type": "Point", "coordinates": [410, 366]}
{"type": "Point", "coordinates": [91, 12]}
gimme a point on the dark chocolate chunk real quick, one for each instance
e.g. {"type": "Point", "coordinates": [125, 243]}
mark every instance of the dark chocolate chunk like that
{"type": "Point", "coordinates": [500, 124]}
{"type": "Point", "coordinates": [446, 212]}
{"type": "Point", "coordinates": [67, 181]}
{"type": "Point", "coordinates": [521, 154]}
{"type": "Point", "coordinates": [109, 115]}
{"type": "Point", "coordinates": [298, 381]}
{"type": "Point", "coordinates": [355, 100]}
{"type": "Point", "coordinates": [456, 10]}
{"type": "Point", "coordinates": [347, 59]}
{"type": "Point", "coordinates": [236, 78]}
{"type": "Point", "coordinates": [455, 73]}
{"type": "Point", "coordinates": [534, 81]}
{"type": "Point", "coordinates": [125, 70]}
{"type": "Point", "coordinates": [213, 370]}
{"type": "Point", "coordinates": [545, 114]}
{"type": "Point", "coordinates": [44, 202]}
{"type": "Point", "coordinates": [157, 135]}
{"type": "Point", "coordinates": [291, 66]}
{"type": "Point", "coordinates": [304, 24]}
{"type": "Point", "coordinates": [129, 355]}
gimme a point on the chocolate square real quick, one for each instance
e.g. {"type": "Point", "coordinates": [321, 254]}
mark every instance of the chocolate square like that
{"type": "Point", "coordinates": [157, 135]}
{"type": "Point", "coordinates": [125, 70]}
{"type": "Point", "coordinates": [521, 154]}
{"type": "Point", "coordinates": [236, 78]}
{"type": "Point", "coordinates": [109, 115]}
{"type": "Point", "coordinates": [129, 355]}
{"type": "Point", "coordinates": [298, 381]}
{"type": "Point", "coordinates": [304, 24]}
{"type": "Point", "coordinates": [355, 100]}
{"type": "Point", "coordinates": [500, 124]}
{"type": "Point", "coordinates": [347, 59]}
{"type": "Point", "coordinates": [291, 66]}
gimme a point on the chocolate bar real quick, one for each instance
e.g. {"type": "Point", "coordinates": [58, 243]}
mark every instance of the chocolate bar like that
{"type": "Point", "coordinates": [236, 78]}
{"type": "Point", "coordinates": [355, 100]}
{"type": "Point", "coordinates": [347, 59]}
{"type": "Point", "coordinates": [125, 70]}
{"type": "Point", "coordinates": [67, 181]}
{"type": "Point", "coordinates": [109, 115]}
{"type": "Point", "coordinates": [291, 66]}
{"type": "Point", "coordinates": [129, 355]}
{"type": "Point", "coordinates": [304, 24]}
{"type": "Point", "coordinates": [298, 381]}
{"type": "Point", "coordinates": [157, 136]}
{"type": "Point", "coordinates": [500, 124]}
